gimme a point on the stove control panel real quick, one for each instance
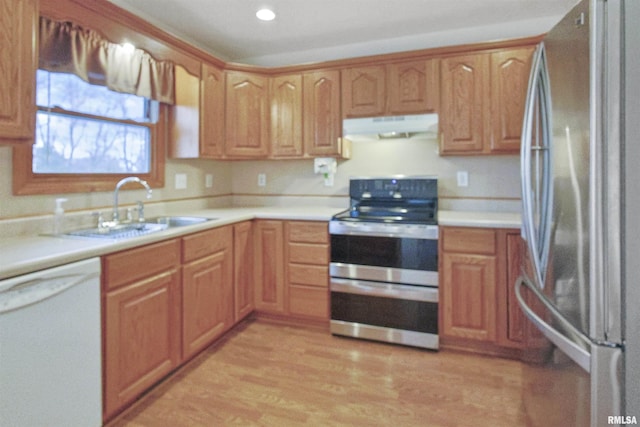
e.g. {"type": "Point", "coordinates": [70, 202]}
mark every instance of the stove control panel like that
{"type": "Point", "coordinates": [393, 188]}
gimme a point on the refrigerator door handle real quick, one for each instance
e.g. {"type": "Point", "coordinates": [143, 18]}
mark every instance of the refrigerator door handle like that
{"type": "Point", "coordinates": [578, 353]}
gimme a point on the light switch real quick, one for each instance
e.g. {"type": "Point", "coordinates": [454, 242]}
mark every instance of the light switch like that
{"type": "Point", "coordinates": [262, 179]}
{"type": "Point", "coordinates": [208, 180]}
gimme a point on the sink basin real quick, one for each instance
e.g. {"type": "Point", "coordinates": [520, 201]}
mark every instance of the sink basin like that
{"type": "Point", "coordinates": [177, 221]}
{"type": "Point", "coordinates": [120, 231]}
{"type": "Point", "coordinates": [129, 230]}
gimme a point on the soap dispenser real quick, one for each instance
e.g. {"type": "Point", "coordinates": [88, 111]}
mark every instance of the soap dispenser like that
{"type": "Point", "coordinates": [58, 216]}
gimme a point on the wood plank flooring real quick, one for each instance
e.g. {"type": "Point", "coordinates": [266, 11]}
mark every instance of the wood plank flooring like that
{"type": "Point", "coordinates": [268, 374]}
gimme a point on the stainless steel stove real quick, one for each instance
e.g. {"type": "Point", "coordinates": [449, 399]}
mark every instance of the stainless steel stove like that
{"type": "Point", "coordinates": [384, 261]}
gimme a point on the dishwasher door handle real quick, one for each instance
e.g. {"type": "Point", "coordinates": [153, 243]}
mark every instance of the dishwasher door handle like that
{"type": "Point", "coordinates": [21, 294]}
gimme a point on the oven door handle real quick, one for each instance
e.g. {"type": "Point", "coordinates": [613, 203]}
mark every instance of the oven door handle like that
{"type": "Point", "coordinates": [364, 287]}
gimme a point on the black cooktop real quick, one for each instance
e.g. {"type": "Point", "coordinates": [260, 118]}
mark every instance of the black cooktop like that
{"type": "Point", "coordinates": [410, 200]}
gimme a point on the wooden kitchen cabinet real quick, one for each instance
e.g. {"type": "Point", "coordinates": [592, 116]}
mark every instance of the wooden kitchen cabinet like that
{"type": "Point", "coordinates": [243, 269]}
{"type": "Point", "coordinates": [141, 318]}
{"type": "Point", "coordinates": [509, 71]}
{"type": "Point", "coordinates": [286, 116]}
{"type": "Point", "coordinates": [184, 116]}
{"type": "Point", "coordinates": [465, 89]}
{"type": "Point", "coordinates": [207, 288]}
{"type": "Point", "coordinates": [212, 108]}
{"type": "Point", "coordinates": [247, 115]}
{"type": "Point", "coordinates": [482, 101]}
{"type": "Point", "coordinates": [18, 62]}
{"type": "Point", "coordinates": [364, 91]}
{"type": "Point", "coordinates": [468, 283]}
{"type": "Point", "coordinates": [269, 266]}
{"type": "Point", "coordinates": [414, 87]}
{"type": "Point", "coordinates": [321, 114]}
{"type": "Point", "coordinates": [390, 89]}
{"type": "Point", "coordinates": [307, 269]}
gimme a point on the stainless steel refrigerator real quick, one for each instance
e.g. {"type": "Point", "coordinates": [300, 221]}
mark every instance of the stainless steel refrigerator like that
{"type": "Point", "coordinates": [580, 181]}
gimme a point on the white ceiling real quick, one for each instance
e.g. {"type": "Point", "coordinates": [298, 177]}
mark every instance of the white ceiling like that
{"type": "Point", "coordinates": [311, 31]}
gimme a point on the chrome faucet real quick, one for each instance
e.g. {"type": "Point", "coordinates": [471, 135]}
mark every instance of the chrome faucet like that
{"type": "Point", "coordinates": [116, 215]}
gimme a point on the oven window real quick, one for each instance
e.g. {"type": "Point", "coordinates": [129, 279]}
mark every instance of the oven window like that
{"type": "Point", "coordinates": [392, 252]}
{"type": "Point", "coordinates": [417, 316]}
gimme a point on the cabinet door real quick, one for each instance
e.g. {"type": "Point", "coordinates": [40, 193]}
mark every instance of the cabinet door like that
{"type": "Point", "coordinates": [468, 296]}
{"type": "Point", "coordinates": [141, 337]}
{"type": "Point", "coordinates": [247, 115]}
{"type": "Point", "coordinates": [185, 116]}
{"type": "Point", "coordinates": [212, 112]}
{"type": "Point", "coordinates": [462, 102]}
{"type": "Point", "coordinates": [322, 120]}
{"type": "Point", "coordinates": [207, 301]}
{"type": "Point", "coordinates": [364, 91]}
{"type": "Point", "coordinates": [243, 269]}
{"type": "Point", "coordinates": [511, 329]}
{"type": "Point", "coordinates": [509, 80]}
{"type": "Point", "coordinates": [18, 59]}
{"type": "Point", "coordinates": [269, 266]}
{"type": "Point", "coordinates": [286, 116]}
{"type": "Point", "coordinates": [414, 87]}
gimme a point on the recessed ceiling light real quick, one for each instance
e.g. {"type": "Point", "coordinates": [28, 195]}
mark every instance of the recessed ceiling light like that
{"type": "Point", "coordinates": [265, 15]}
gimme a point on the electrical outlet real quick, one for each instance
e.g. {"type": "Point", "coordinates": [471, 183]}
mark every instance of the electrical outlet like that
{"type": "Point", "coordinates": [181, 181]}
{"type": "Point", "coordinates": [463, 178]}
{"type": "Point", "coordinates": [262, 179]}
{"type": "Point", "coordinates": [208, 180]}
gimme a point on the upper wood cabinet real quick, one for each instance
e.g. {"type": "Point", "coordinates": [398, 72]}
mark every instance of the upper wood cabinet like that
{"type": "Point", "coordinates": [212, 107]}
{"type": "Point", "coordinates": [321, 111]}
{"type": "Point", "coordinates": [247, 115]}
{"type": "Point", "coordinates": [185, 116]}
{"type": "Point", "coordinates": [364, 91]}
{"type": "Point", "coordinates": [510, 71]}
{"type": "Point", "coordinates": [286, 116]}
{"type": "Point", "coordinates": [465, 89]}
{"type": "Point", "coordinates": [390, 89]}
{"type": "Point", "coordinates": [482, 101]}
{"type": "Point", "coordinates": [18, 62]}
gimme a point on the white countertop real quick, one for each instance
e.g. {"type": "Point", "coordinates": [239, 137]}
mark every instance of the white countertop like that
{"type": "Point", "coordinates": [21, 255]}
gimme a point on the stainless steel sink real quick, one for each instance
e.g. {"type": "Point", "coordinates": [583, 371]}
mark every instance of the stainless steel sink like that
{"type": "Point", "coordinates": [120, 231]}
{"type": "Point", "coordinates": [129, 230]}
{"type": "Point", "coordinates": [178, 221]}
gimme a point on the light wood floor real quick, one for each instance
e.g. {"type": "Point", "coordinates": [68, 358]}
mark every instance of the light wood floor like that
{"type": "Point", "coordinates": [268, 374]}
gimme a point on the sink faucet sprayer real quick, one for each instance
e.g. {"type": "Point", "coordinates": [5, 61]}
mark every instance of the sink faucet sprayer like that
{"type": "Point", "coordinates": [116, 215]}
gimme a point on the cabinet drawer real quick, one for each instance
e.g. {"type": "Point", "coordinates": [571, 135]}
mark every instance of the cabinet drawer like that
{"type": "Point", "coordinates": [134, 264]}
{"type": "Point", "coordinates": [307, 253]}
{"type": "Point", "coordinates": [313, 275]}
{"type": "Point", "coordinates": [309, 302]}
{"type": "Point", "coordinates": [308, 232]}
{"type": "Point", "coordinates": [469, 240]}
{"type": "Point", "coordinates": [205, 243]}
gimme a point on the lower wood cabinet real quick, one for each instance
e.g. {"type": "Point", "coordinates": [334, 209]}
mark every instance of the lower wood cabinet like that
{"type": "Point", "coordinates": [243, 269]}
{"type": "Point", "coordinates": [478, 306]}
{"type": "Point", "coordinates": [307, 269]}
{"type": "Point", "coordinates": [207, 288]}
{"type": "Point", "coordinates": [141, 309]}
{"type": "Point", "coordinates": [291, 268]}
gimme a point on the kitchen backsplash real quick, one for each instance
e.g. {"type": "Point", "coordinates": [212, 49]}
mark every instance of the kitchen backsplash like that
{"type": "Point", "coordinates": [494, 182]}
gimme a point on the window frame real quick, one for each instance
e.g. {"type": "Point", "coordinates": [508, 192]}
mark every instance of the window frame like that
{"type": "Point", "coordinates": [26, 182]}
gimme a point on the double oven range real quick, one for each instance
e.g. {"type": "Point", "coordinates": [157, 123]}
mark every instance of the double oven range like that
{"type": "Point", "coordinates": [384, 262]}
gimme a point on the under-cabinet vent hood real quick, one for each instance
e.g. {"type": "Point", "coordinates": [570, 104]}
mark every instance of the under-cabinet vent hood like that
{"type": "Point", "coordinates": [389, 127]}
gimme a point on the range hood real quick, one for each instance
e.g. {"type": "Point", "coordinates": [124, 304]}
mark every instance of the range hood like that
{"type": "Point", "coordinates": [389, 127]}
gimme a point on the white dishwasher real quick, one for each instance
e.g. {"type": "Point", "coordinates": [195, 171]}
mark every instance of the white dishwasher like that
{"type": "Point", "coordinates": [50, 347]}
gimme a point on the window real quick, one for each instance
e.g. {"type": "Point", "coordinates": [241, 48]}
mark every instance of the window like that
{"type": "Point", "coordinates": [84, 128]}
{"type": "Point", "coordinates": [101, 114]}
